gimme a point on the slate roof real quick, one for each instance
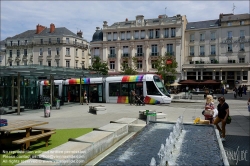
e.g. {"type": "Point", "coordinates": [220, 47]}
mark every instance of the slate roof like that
{"type": "Point", "coordinates": [235, 17]}
{"type": "Point", "coordinates": [145, 20]}
{"type": "Point", "coordinates": [46, 32]}
{"type": "Point", "coordinates": [202, 24]}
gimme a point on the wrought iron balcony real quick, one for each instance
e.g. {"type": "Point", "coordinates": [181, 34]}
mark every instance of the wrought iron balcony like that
{"type": "Point", "coordinates": [192, 40]}
{"type": "Point", "coordinates": [154, 54]}
{"type": "Point", "coordinates": [125, 55]}
{"type": "Point", "coordinates": [166, 36]}
{"type": "Point", "coordinates": [242, 50]}
{"type": "Point", "coordinates": [170, 53]}
{"type": "Point", "coordinates": [213, 53]}
{"type": "Point", "coordinates": [202, 40]}
{"type": "Point", "coordinates": [139, 54]}
{"type": "Point", "coordinates": [202, 53]}
{"type": "Point", "coordinates": [191, 54]}
{"type": "Point", "coordinates": [111, 55]}
{"type": "Point", "coordinates": [230, 50]}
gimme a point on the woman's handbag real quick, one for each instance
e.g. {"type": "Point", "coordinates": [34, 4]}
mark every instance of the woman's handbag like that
{"type": "Point", "coordinates": [208, 112]}
{"type": "Point", "coordinates": [229, 119]}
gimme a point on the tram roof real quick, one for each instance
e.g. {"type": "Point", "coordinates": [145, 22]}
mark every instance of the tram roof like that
{"type": "Point", "coordinates": [39, 71]}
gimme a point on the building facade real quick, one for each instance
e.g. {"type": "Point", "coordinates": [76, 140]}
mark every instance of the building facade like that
{"type": "Point", "coordinates": [145, 39]}
{"type": "Point", "coordinates": [48, 46]}
{"type": "Point", "coordinates": [218, 50]}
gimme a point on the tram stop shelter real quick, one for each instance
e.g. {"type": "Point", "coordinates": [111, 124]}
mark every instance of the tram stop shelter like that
{"type": "Point", "coordinates": [19, 85]}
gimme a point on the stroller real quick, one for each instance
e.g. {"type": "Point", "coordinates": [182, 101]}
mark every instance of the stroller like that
{"type": "Point", "coordinates": [139, 100]}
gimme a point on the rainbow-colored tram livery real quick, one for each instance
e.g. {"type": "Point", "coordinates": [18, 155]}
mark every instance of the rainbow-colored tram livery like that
{"type": "Point", "coordinates": [116, 89]}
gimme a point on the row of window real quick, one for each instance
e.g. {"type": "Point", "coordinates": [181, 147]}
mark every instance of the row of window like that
{"type": "Point", "coordinates": [139, 49]}
{"type": "Point", "coordinates": [152, 33]}
{"type": "Point", "coordinates": [125, 64]}
{"type": "Point", "coordinates": [229, 23]}
{"type": "Point", "coordinates": [49, 63]}
{"type": "Point", "coordinates": [213, 49]}
{"type": "Point", "coordinates": [213, 35]}
{"type": "Point", "coordinates": [42, 41]}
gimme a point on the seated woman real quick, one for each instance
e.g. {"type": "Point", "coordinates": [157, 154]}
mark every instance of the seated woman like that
{"type": "Point", "coordinates": [209, 106]}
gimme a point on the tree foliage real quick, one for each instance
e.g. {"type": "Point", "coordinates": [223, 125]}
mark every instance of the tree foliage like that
{"type": "Point", "coordinates": [166, 66]}
{"type": "Point", "coordinates": [99, 66]}
{"type": "Point", "coordinates": [129, 67]}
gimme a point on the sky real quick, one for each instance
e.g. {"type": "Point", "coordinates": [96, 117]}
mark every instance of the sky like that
{"type": "Point", "coordinates": [20, 16]}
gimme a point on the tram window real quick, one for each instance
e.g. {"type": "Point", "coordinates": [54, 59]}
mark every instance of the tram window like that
{"type": "Point", "coordinates": [151, 89]}
{"type": "Point", "coordinates": [124, 91]}
{"type": "Point", "coordinates": [160, 85]}
{"type": "Point", "coordinates": [114, 89]}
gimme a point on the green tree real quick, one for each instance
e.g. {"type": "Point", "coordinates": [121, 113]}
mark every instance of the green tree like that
{"type": "Point", "coordinates": [99, 66]}
{"type": "Point", "coordinates": [166, 67]}
{"type": "Point", "coordinates": [129, 68]}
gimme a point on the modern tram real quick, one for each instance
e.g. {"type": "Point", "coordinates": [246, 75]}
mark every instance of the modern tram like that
{"type": "Point", "coordinates": [111, 89]}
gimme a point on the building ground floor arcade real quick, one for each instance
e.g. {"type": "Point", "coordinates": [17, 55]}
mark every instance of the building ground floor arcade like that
{"type": "Point", "coordinates": [231, 76]}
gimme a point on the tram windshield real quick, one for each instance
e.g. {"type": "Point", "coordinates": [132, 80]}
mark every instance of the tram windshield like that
{"type": "Point", "coordinates": [160, 85]}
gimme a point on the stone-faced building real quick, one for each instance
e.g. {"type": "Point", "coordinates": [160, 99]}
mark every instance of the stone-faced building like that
{"type": "Point", "coordinates": [48, 46]}
{"type": "Point", "coordinates": [218, 50]}
{"type": "Point", "coordinates": [145, 39]}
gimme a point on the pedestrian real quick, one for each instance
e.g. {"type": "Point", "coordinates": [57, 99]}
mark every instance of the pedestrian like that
{"type": "Point", "coordinates": [209, 108]}
{"type": "Point", "coordinates": [240, 91]}
{"type": "Point", "coordinates": [245, 89]}
{"type": "Point", "coordinates": [85, 97]}
{"type": "Point", "coordinates": [222, 90]}
{"type": "Point", "coordinates": [235, 92]}
{"type": "Point", "coordinates": [248, 104]}
{"type": "Point", "coordinates": [223, 113]}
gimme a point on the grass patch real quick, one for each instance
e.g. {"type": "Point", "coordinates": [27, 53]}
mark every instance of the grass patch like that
{"type": "Point", "coordinates": [14, 156]}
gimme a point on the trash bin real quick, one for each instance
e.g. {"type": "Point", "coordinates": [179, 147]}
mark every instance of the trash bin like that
{"type": "Point", "coordinates": [151, 116]}
{"type": "Point", "coordinates": [58, 104]}
{"type": "Point", "coordinates": [47, 109]}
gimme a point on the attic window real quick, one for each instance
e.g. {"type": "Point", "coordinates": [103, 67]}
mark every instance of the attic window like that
{"type": "Point", "coordinates": [191, 27]}
{"type": "Point", "coordinates": [212, 25]}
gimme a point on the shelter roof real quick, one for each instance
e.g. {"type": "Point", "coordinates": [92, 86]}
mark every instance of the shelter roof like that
{"type": "Point", "coordinates": [46, 71]}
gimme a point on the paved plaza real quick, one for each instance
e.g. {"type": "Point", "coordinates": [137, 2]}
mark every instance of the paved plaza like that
{"type": "Point", "coordinates": [77, 116]}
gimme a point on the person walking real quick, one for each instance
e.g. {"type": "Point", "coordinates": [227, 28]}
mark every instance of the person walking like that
{"type": "Point", "coordinates": [240, 91]}
{"type": "Point", "coordinates": [223, 113]}
{"type": "Point", "coordinates": [209, 106]}
{"type": "Point", "coordinates": [235, 92]}
{"type": "Point", "coordinates": [245, 89]}
{"type": "Point", "coordinates": [85, 97]}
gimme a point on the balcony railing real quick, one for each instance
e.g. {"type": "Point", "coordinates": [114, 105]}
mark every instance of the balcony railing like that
{"type": "Point", "coordinates": [173, 35]}
{"type": "Point", "coordinates": [111, 55]}
{"type": "Point", "coordinates": [166, 36]}
{"type": "Point", "coordinates": [170, 53]}
{"type": "Point", "coordinates": [242, 49]}
{"type": "Point", "coordinates": [191, 54]}
{"type": "Point", "coordinates": [154, 54]}
{"type": "Point", "coordinates": [151, 37]}
{"type": "Point", "coordinates": [125, 55]}
{"type": "Point", "coordinates": [202, 40]}
{"type": "Point", "coordinates": [52, 42]}
{"type": "Point", "coordinates": [192, 40]}
{"type": "Point", "coordinates": [213, 53]}
{"type": "Point", "coordinates": [202, 53]}
{"type": "Point", "coordinates": [213, 39]}
{"type": "Point", "coordinates": [139, 54]}
{"type": "Point", "coordinates": [229, 50]}
{"type": "Point", "coordinates": [231, 61]}
{"type": "Point", "coordinates": [242, 37]}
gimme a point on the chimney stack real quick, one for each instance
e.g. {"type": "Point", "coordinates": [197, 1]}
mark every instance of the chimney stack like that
{"type": "Point", "coordinates": [39, 28]}
{"type": "Point", "coordinates": [79, 34]}
{"type": "Point", "coordinates": [52, 28]}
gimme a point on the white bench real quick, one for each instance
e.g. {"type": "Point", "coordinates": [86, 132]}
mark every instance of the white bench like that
{"type": "Point", "coordinates": [98, 109]}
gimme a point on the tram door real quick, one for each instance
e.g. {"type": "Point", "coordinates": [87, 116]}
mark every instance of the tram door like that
{"type": "Point", "coordinates": [96, 93]}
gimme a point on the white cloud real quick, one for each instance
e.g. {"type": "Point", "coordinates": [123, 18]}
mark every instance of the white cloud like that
{"type": "Point", "coordinates": [19, 16]}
